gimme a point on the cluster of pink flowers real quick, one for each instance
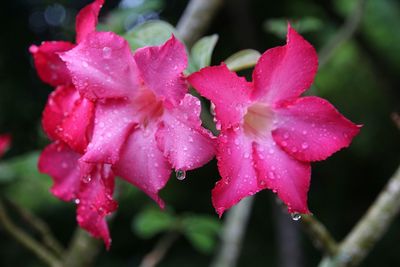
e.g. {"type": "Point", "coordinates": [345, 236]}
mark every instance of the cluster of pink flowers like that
{"type": "Point", "coordinates": [117, 112]}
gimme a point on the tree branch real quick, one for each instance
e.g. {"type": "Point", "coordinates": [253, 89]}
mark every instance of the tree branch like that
{"type": "Point", "coordinates": [370, 228]}
{"type": "Point", "coordinates": [233, 233]}
{"type": "Point", "coordinates": [159, 251]}
{"type": "Point", "coordinates": [83, 250]}
{"type": "Point", "coordinates": [41, 227]}
{"type": "Point", "coordinates": [31, 244]}
{"type": "Point", "coordinates": [318, 233]}
{"type": "Point", "coordinates": [196, 18]}
{"type": "Point", "coordinates": [345, 32]}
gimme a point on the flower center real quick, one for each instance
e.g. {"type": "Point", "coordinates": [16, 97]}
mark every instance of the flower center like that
{"type": "Point", "coordinates": [258, 121]}
{"type": "Point", "coordinates": [148, 107]}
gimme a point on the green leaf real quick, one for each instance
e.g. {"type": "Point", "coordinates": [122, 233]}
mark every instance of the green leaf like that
{"type": "Point", "coordinates": [150, 33]}
{"type": "Point", "coordinates": [201, 52]}
{"type": "Point", "coordinates": [303, 25]}
{"type": "Point", "coordinates": [119, 19]}
{"type": "Point", "coordinates": [153, 221]}
{"type": "Point", "coordinates": [242, 60]}
{"type": "Point", "coordinates": [202, 231]}
{"type": "Point", "coordinates": [24, 182]}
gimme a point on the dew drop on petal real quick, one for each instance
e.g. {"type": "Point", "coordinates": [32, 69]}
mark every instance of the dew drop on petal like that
{"type": "Point", "coordinates": [180, 174]}
{"type": "Point", "coordinates": [77, 201]}
{"type": "Point", "coordinates": [295, 216]}
{"type": "Point", "coordinates": [87, 179]}
{"type": "Point", "coordinates": [106, 52]}
{"type": "Point", "coordinates": [286, 135]}
{"type": "Point", "coordinates": [304, 145]}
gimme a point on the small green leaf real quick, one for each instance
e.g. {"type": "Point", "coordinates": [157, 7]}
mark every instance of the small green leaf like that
{"type": "Point", "coordinates": [150, 33]}
{"type": "Point", "coordinates": [243, 59]}
{"type": "Point", "coordinates": [121, 18]}
{"type": "Point", "coordinates": [153, 221]}
{"type": "Point", "coordinates": [201, 231]}
{"type": "Point", "coordinates": [303, 25]}
{"type": "Point", "coordinates": [201, 52]}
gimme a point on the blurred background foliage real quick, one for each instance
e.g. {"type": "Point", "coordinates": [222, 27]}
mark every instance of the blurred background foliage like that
{"type": "Point", "coordinates": [361, 79]}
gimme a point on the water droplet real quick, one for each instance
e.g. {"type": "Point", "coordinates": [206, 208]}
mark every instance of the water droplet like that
{"type": "Point", "coordinates": [87, 179]}
{"type": "Point", "coordinates": [180, 174]}
{"type": "Point", "coordinates": [106, 52]}
{"type": "Point", "coordinates": [77, 201]}
{"type": "Point", "coordinates": [304, 146]}
{"type": "Point", "coordinates": [286, 135]}
{"type": "Point", "coordinates": [295, 216]}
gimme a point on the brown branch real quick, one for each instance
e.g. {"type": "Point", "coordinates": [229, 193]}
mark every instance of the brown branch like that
{"type": "Point", "coordinates": [83, 250]}
{"type": "Point", "coordinates": [196, 18]}
{"type": "Point", "coordinates": [40, 226]}
{"type": "Point", "coordinates": [233, 232]}
{"type": "Point", "coordinates": [160, 250]}
{"type": "Point", "coordinates": [318, 233]}
{"type": "Point", "coordinates": [370, 228]}
{"type": "Point", "coordinates": [345, 32]}
{"type": "Point", "coordinates": [27, 241]}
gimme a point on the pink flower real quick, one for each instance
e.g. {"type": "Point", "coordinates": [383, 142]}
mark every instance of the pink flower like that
{"type": "Point", "coordinates": [269, 134]}
{"type": "Point", "coordinates": [145, 123]}
{"type": "Point", "coordinates": [68, 119]}
{"type": "Point", "coordinates": [5, 141]}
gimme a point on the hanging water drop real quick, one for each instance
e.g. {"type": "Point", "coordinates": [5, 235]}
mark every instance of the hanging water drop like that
{"type": "Point", "coordinates": [295, 216]}
{"type": "Point", "coordinates": [180, 174]}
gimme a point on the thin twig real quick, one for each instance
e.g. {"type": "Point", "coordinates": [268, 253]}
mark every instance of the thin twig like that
{"type": "Point", "coordinates": [27, 241]}
{"type": "Point", "coordinates": [318, 233]}
{"type": "Point", "coordinates": [396, 119]}
{"type": "Point", "coordinates": [160, 250]}
{"type": "Point", "coordinates": [196, 18]}
{"type": "Point", "coordinates": [345, 32]}
{"type": "Point", "coordinates": [83, 250]}
{"type": "Point", "coordinates": [41, 227]}
{"type": "Point", "coordinates": [370, 228]}
{"type": "Point", "coordinates": [233, 234]}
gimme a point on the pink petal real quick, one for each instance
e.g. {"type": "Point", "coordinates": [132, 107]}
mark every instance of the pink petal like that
{"type": "Point", "coordinates": [60, 102]}
{"type": "Point", "coordinates": [61, 163]}
{"type": "Point", "coordinates": [5, 141]}
{"type": "Point", "coordinates": [236, 166]}
{"type": "Point", "coordinates": [112, 124]}
{"type": "Point", "coordinates": [311, 129]}
{"type": "Point", "coordinates": [102, 66]}
{"type": "Point", "coordinates": [286, 176]}
{"type": "Point", "coordinates": [143, 164]}
{"type": "Point", "coordinates": [95, 200]}
{"type": "Point", "coordinates": [76, 124]}
{"type": "Point", "coordinates": [51, 69]}
{"type": "Point", "coordinates": [185, 143]}
{"type": "Point", "coordinates": [161, 69]}
{"type": "Point", "coordinates": [86, 20]}
{"type": "Point", "coordinates": [285, 72]}
{"type": "Point", "coordinates": [229, 93]}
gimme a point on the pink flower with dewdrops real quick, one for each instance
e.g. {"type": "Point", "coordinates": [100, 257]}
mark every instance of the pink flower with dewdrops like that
{"type": "Point", "coordinates": [145, 122]}
{"type": "Point", "coordinates": [269, 134]}
{"type": "Point", "coordinates": [5, 141]}
{"type": "Point", "coordinates": [67, 120]}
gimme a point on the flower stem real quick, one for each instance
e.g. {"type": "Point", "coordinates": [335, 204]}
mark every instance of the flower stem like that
{"type": "Point", "coordinates": [196, 18]}
{"type": "Point", "coordinates": [370, 228]}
